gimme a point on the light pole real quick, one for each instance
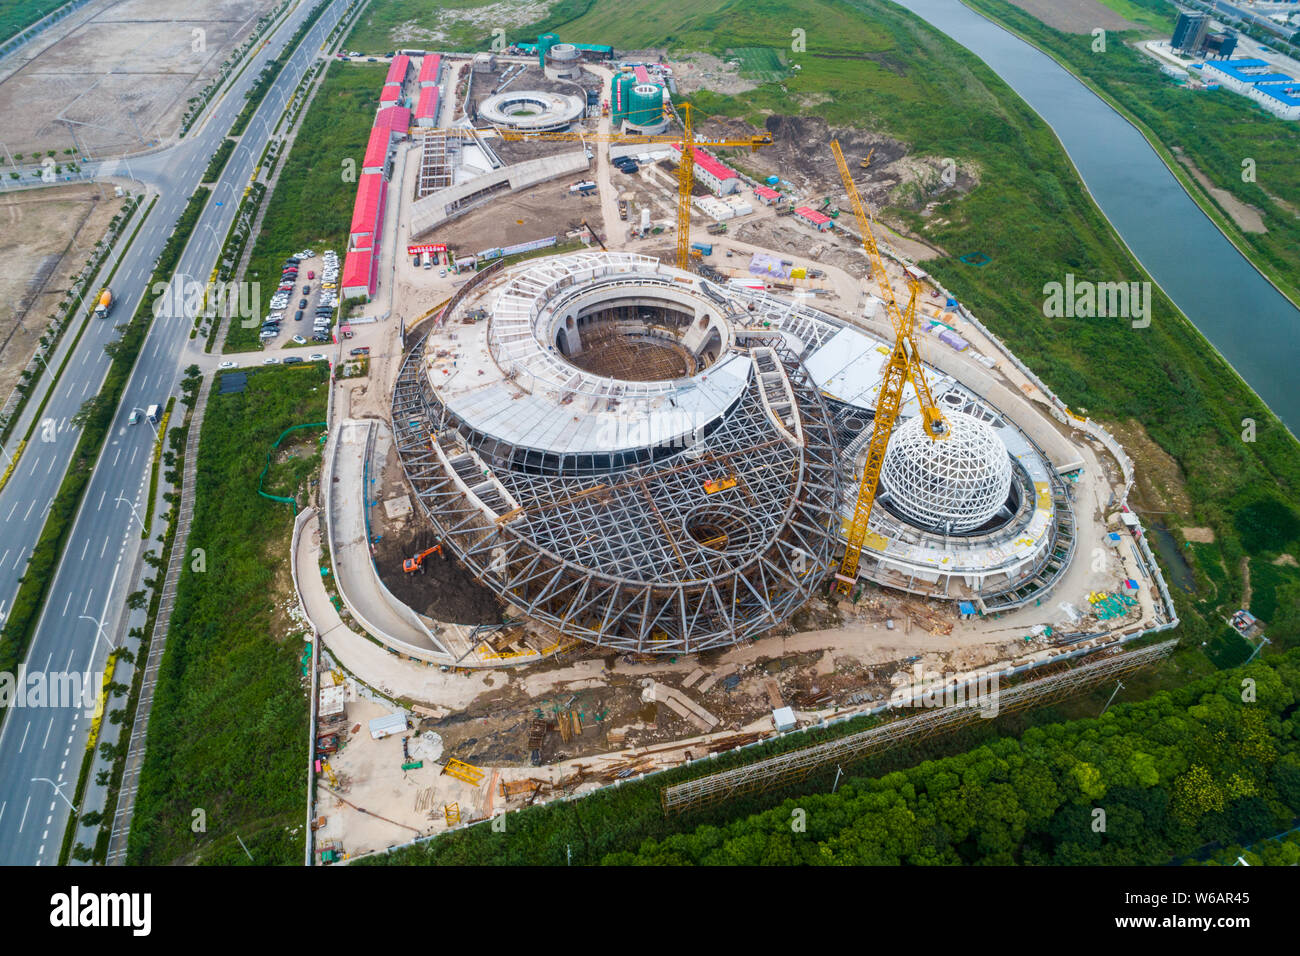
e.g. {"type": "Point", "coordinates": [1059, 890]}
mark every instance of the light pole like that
{"type": "Point", "coordinates": [1258, 647]}
{"type": "Point", "coordinates": [99, 630]}
{"type": "Point", "coordinates": [149, 420]}
{"type": "Point", "coordinates": [58, 788]}
{"type": "Point", "coordinates": [134, 510]}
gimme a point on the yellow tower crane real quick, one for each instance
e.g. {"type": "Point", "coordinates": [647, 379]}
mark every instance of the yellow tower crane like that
{"type": "Point", "coordinates": [904, 365]}
{"type": "Point", "coordinates": [685, 169]}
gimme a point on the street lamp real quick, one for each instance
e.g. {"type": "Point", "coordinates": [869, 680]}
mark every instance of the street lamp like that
{"type": "Point", "coordinates": [135, 511]}
{"type": "Point", "coordinates": [99, 630]}
{"type": "Point", "coordinates": [150, 421]}
{"type": "Point", "coordinates": [58, 788]}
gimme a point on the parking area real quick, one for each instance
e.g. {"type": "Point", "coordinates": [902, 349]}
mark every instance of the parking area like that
{"type": "Point", "coordinates": [304, 308]}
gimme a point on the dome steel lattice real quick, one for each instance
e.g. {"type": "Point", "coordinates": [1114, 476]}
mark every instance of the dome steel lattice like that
{"type": "Point", "coordinates": [954, 485]}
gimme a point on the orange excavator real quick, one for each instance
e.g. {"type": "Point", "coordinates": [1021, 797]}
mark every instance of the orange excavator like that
{"type": "Point", "coordinates": [417, 562]}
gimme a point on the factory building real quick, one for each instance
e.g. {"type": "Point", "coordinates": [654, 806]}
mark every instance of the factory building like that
{"type": "Point", "coordinates": [1276, 92]}
{"type": "Point", "coordinates": [721, 179]}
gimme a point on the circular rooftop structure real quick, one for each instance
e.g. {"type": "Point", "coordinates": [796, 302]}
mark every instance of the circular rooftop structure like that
{"type": "Point", "coordinates": [952, 486]}
{"type": "Point", "coordinates": [532, 111]}
{"type": "Point", "coordinates": [611, 450]}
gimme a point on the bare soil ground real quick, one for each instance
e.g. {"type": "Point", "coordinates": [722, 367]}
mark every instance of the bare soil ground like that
{"type": "Point", "coordinates": [118, 80]}
{"type": "Point", "coordinates": [47, 236]}
{"type": "Point", "coordinates": [1247, 217]}
{"type": "Point", "coordinates": [443, 590]}
{"type": "Point", "coordinates": [1161, 487]}
{"type": "Point", "coordinates": [1076, 16]}
{"type": "Point", "coordinates": [696, 71]}
{"type": "Point", "coordinates": [546, 210]}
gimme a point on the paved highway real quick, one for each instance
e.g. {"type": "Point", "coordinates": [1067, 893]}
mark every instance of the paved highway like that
{"type": "Point", "coordinates": [41, 748]}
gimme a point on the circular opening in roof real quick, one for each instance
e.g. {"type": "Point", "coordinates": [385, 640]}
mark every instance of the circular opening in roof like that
{"type": "Point", "coordinates": [720, 528]}
{"type": "Point", "coordinates": [645, 340]}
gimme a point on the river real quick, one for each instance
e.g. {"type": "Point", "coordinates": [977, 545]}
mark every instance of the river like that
{"type": "Point", "coordinates": [1254, 326]}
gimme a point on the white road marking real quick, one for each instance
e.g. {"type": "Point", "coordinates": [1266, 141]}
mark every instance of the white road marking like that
{"type": "Point", "coordinates": [23, 743]}
{"type": "Point", "coordinates": [23, 821]}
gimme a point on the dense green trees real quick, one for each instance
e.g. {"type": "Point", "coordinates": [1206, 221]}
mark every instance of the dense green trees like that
{"type": "Point", "coordinates": [1145, 784]}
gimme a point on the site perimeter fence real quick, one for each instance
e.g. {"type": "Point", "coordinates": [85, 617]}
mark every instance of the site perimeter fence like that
{"type": "Point", "coordinates": [798, 765]}
{"type": "Point", "coordinates": [281, 498]}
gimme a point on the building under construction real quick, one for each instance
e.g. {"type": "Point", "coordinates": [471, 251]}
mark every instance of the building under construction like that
{"type": "Point", "coordinates": [632, 455]}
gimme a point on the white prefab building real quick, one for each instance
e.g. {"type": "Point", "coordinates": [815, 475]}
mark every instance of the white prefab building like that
{"type": "Point", "coordinates": [1277, 92]}
{"type": "Point", "coordinates": [721, 179]}
{"type": "Point", "coordinates": [385, 726]}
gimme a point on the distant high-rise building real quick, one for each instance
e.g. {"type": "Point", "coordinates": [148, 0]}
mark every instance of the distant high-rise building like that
{"type": "Point", "coordinates": [1189, 32]}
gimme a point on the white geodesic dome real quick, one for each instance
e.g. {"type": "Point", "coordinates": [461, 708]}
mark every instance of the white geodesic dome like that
{"type": "Point", "coordinates": [953, 485]}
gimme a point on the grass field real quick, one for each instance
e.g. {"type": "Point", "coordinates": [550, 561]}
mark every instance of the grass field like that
{"type": "Point", "coordinates": [312, 202]}
{"type": "Point", "coordinates": [447, 25]}
{"type": "Point", "coordinates": [227, 731]}
{"type": "Point", "coordinates": [1157, 14]}
{"type": "Point", "coordinates": [760, 63]}
{"type": "Point", "coordinates": [16, 15]}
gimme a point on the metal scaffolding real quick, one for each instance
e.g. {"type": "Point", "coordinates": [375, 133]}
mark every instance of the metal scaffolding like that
{"type": "Point", "coordinates": [676, 550]}
{"type": "Point", "coordinates": [798, 765]}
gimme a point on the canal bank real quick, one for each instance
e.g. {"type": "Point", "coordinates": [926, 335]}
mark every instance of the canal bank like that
{"type": "Point", "coordinates": [1183, 250]}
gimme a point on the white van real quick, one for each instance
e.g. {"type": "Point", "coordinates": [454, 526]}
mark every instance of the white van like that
{"type": "Point", "coordinates": [151, 413]}
{"type": "Point", "coordinates": [428, 260]}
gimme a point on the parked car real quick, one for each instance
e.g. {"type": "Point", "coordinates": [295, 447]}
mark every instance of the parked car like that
{"type": "Point", "coordinates": [292, 360]}
{"type": "Point", "coordinates": [311, 274]}
{"type": "Point", "coordinates": [297, 316]}
{"type": "Point", "coordinates": [360, 350]}
{"type": "Point", "coordinates": [318, 357]}
{"type": "Point", "coordinates": [271, 361]}
{"type": "Point", "coordinates": [299, 340]}
{"type": "Point", "coordinates": [227, 364]}
{"type": "Point", "coordinates": [302, 303]}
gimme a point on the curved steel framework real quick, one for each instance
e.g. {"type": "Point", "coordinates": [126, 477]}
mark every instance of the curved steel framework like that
{"type": "Point", "coordinates": [713, 543]}
{"type": "Point", "coordinates": [950, 486]}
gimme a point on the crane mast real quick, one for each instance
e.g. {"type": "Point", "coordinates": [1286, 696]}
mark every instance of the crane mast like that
{"type": "Point", "coordinates": [904, 365]}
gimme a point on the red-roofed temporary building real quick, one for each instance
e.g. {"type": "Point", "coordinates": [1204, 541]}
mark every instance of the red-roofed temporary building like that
{"type": "Point", "coordinates": [377, 150]}
{"type": "Point", "coordinates": [431, 69]}
{"type": "Point", "coordinates": [813, 217]}
{"type": "Point", "coordinates": [390, 95]}
{"type": "Point", "coordinates": [426, 111]}
{"type": "Point", "coordinates": [396, 119]}
{"type": "Point", "coordinates": [398, 69]}
{"type": "Point", "coordinates": [368, 210]}
{"type": "Point", "coordinates": [717, 175]}
{"type": "Point", "coordinates": [358, 274]}
{"type": "Point", "coordinates": [767, 194]}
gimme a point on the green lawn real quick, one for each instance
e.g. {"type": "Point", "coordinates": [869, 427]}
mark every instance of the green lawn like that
{"type": "Point", "coordinates": [227, 730]}
{"type": "Point", "coordinates": [312, 202]}
{"type": "Point", "coordinates": [16, 15]}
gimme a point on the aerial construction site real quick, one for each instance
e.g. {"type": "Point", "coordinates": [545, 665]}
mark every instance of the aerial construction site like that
{"type": "Point", "coordinates": [665, 447]}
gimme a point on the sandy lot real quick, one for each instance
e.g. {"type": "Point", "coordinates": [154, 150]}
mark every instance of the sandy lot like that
{"type": "Point", "coordinates": [117, 78]}
{"type": "Point", "coordinates": [42, 230]}
{"type": "Point", "coordinates": [1076, 16]}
